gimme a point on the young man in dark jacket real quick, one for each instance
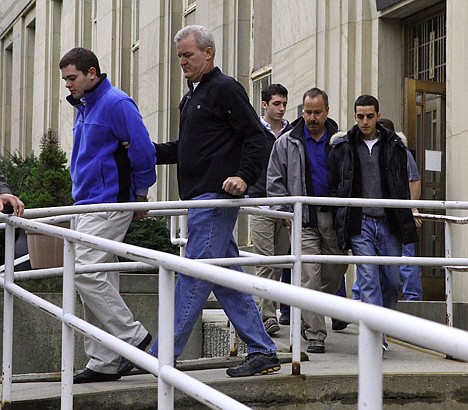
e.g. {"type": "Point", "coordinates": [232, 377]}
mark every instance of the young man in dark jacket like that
{"type": "Point", "coordinates": [270, 236]}
{"type": "Point", "coordinates": [370, 161]}
{"type": "Point", "coordinates": [298, 167]}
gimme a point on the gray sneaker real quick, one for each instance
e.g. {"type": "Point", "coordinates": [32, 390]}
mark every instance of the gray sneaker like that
{"type": "Point", "coordinates": [316, 346]}
{"type": "Point", "coordinates": [271, 325]}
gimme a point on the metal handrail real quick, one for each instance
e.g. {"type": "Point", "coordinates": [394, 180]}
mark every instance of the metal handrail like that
{"type": "Point", "coordinates": [373, 320]}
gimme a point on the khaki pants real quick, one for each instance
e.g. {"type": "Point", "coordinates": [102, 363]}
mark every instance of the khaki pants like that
{"type": "Point", "coordinates": [269, 237]}
{"type": "Point", "coordinates": [323, 277]}
{"type": "Point", "coordinates": [102, 304]}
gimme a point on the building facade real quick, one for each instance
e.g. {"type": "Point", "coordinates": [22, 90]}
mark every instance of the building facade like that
{"type": "Point", "coordinates": [408, 53]}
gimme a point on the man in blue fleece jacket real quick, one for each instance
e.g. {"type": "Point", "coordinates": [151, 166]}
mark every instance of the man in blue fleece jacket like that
{"type": "Point", "coordinates": [103, 171]}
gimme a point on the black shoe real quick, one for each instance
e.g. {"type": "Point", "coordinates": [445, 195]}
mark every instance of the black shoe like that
{"type": "Point", "coordinates": [339, 324]}
{"type": "Point", "coordinates": [285, 319]}
{"type": "Point", "coordinates": [90, 376]}
{"type": "Point", "coordinates": [255, 363]}
{"type": "Point", "coordinates": [125, 366]}
{"type": "Point", "coordinates": [316, 346]}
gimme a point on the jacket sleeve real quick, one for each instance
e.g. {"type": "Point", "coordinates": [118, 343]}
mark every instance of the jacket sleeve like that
{"type": "Point", "coordinates": [4, 188]}
{"type": "Point", "coordinates": [128, 126]}
{"type": "Point", "coordinates": [166, 153]}
{"type": "Point", "coordinates": [276, 181]}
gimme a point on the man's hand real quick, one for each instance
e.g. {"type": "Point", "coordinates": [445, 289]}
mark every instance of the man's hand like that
{"type": "Point", "coordinates": [139, 214]}
{"type": "Point", "coordinates": [235, 186]}
{"type": "Point", "coordinates": [417, 221]}
{"type": "Point", "coordinates": [8, 200]}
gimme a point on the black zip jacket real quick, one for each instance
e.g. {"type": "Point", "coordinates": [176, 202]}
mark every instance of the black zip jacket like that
{"type": "Point", "coordinates": [345, 180]}
{"type": "Point", "coordinates": [220, 136]}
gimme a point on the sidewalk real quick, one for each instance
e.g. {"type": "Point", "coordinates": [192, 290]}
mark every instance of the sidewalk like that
{"type": "Point", "coordinates": [411, 376]}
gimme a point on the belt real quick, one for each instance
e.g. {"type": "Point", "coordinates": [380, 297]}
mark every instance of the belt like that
{"type": "Point", "coordinates": [373, 218]}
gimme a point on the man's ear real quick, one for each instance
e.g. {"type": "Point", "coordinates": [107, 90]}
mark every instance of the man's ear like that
{"type": "Point", "coordinates": [92, 72]}
{"type": "Point", "coordinates": [209, 53]}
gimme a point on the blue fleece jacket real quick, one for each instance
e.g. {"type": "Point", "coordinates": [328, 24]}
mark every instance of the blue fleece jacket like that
{"type": "Point", "coordinates": [102, 170]}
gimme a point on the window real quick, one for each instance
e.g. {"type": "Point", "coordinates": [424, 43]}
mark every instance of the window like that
{"type": "Point", "coordinates": [425, 44]}
{"type": "Point", "coordinates": [259, 82]}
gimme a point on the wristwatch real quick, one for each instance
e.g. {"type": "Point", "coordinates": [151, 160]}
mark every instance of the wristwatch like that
{"type": "Point", "coordinates": [141, 198]}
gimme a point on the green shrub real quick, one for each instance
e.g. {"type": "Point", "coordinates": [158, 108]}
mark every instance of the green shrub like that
{"type": "Point", "coordinates": [151, 233]}
{"type": "Point", "coordinates": [49, 183]}
{"type": "Point", "coordinates": [16, 169]}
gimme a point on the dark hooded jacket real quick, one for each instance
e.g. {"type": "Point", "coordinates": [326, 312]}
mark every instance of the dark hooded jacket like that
{"type": "Point", "coordinates": [345, 180]}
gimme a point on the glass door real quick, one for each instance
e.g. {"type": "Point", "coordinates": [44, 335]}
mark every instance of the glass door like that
{"type": "Point", "coordinates": [425, 128]}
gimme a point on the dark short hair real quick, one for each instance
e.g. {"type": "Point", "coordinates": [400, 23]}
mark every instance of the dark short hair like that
{"type": "Point", "coordinates": [82, 58]}
{"type": "Point", "coordinates": [365, 101]}
{"type": "Point", "coordinates": [273, 89]}
{"type": "Point", "coordinates": [203, 36]}
{"type": "Point", "coordinates": [315, 92]}
{"type": "Point", "coordinates": [385, 122]}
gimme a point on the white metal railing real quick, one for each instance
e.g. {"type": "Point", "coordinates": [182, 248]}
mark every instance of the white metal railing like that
{"type": "Point", "coordinates": [372, 320]}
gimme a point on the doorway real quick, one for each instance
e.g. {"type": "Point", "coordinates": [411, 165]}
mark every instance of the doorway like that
{"type": "Point", "coordinates": [425, 128]}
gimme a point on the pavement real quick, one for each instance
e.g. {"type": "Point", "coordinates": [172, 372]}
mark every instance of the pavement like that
{"type": "Point", "coordinates": [414, 377]}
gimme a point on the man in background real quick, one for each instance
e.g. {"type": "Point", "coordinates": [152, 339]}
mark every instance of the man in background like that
{"type": "Point", "coordinates": [298, 167]}
{"type": "Point", "coordinates": [270, 236]}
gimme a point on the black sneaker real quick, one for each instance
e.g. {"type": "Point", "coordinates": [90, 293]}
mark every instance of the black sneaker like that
{"type": "Point", "coordinates": [339, 324]}
{"type": "Point", "coordinates": [90, 376]}
{"type": "Point", "coordinates": [255, 363]}
{"type": "Point", "coordinates": [125, 366]}
{"type": "Point", "coordinates": [285, 319]}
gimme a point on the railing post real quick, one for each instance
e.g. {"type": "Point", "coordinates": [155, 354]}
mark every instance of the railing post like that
{"type": "Point", "coordinates": [296, 278]}
{"type": "Point", "coordinates": [448, 275]}
{"type": "Point", "coordinates": [370, 368]}
{"type": "Point", "coordinates": [68, 335]}
{"type": "Point", "coordinates": [8, 299]}
{"type": "Point", "coordinates": [183, 234]}
{"type": "Point", "coordinates": [166, 336]}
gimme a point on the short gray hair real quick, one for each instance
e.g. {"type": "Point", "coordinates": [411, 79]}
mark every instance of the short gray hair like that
{"type": "Point", "coordinates": [203, 37]}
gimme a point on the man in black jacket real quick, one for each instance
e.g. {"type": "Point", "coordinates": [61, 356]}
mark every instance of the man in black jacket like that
{"type": "Point", "coordinates": [220, 141]}
{"type": "Point", "coordinates": [270, 236]}
{"type": "Point", "coordinates": [370, 161]}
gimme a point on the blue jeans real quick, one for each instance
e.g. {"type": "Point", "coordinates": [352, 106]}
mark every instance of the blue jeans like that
{"type": "Point", "coordinates": [378, 284]}
{"type": "Point", "coordinates": [410, 277]}
{"type": "Point", "coordinates": [210, 236]}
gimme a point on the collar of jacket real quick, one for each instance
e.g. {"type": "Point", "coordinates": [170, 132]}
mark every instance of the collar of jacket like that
{"type": "Point", "coordinates": [298, 130]}
{"type": "Point", "coordinates": [92, 95]}
{"type": "Point", "coordinates": [204, 78]}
